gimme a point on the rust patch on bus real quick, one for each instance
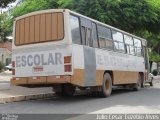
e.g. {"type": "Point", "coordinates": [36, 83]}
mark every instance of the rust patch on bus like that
{"type": "Point", "coordinates": [20, 81]}
{"type": "Point", "coordinates": [37, 80]}
{"type": "Point", "coordinates": [125, 77]}
{"type": "Point", "coordinates": [78, 77]}
{"type": "Point", "coordinates": [99, 77]}
{"type": "Point", "coordinates": [61, 79]}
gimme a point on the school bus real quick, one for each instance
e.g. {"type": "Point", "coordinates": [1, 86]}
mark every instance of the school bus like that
{"type": "Point", "coordinates": [66, 50]}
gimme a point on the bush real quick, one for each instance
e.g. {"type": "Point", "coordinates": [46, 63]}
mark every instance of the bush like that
{"type": "Point", "coordinates": [155, 72]}
{"type": "Point", "coordinates": [1, 66]}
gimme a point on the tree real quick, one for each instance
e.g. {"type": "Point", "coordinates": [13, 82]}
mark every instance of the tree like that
{"type": "Point", "coordinates": [6, 20]}
{"type": "Point", "coordinates": [5, 27]}
{"type": "Point", "coordinates": [4, 3]}
{"type": "Point", "coordinates": [139, 17]}
{"type": "Point", "coordinates": [33, 5]}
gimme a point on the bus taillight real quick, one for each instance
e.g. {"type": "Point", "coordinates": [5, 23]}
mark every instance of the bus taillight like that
{"type": "Point", "coordinates": [13, 64]}
{"type": "Point", "coordinates": [13, 67]}
{"type": "Point", "coordinates": [68, 68]}
{"type": "Point", "coordinates": [13, 71]}
{"type": "Point", "coordinates": [67, 64]}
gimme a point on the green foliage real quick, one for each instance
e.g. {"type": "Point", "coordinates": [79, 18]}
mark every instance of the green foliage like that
{"type": "Point", "coordinates": [154, 57]}
{"type": "Point", "coordinates": [5, 27]}
{"type": "Point", "coordinates": [139, 17]}
{"type": "Point", "coordinates": [1, 66]}
{"type": "Point", "coordinates": [33, 5]}
{"type": "Point", "coordinates": [129, 15]}
{"type": "Point", "coordinates": [155, 72]}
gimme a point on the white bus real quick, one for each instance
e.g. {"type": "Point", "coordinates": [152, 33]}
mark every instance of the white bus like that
{"type": "Point", "coordinates": [64, 49]}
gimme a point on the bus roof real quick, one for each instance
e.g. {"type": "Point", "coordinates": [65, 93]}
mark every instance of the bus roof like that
{"type": "Point", "coordinates": [106, 25]}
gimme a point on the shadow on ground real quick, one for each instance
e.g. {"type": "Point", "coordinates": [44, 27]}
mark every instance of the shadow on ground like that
{"type": "Point", "coordinates": [81, 104]}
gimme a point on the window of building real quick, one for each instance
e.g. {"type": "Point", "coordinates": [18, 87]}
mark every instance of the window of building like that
{"type": "Point", "coordinates": [74, 21]}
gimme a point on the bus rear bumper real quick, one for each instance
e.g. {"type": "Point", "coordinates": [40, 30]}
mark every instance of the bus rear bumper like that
{"type": "Point", "coordinates": [40, 80]}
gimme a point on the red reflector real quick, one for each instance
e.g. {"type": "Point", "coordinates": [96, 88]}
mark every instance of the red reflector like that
{"type": "Point", "coordinates": [13, 78]}
{"type": "Point", "coordinates": [13, 63]}
{"type": "Point", "coordinates": [68, 68]}
{"type": "Point", "coordinates": [13, 71]}
{"type": "Point", "coordinates": [61, 77]}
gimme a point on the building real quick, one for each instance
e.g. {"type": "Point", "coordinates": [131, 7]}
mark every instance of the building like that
{"type": "Point", "coordinates": [6, 53]}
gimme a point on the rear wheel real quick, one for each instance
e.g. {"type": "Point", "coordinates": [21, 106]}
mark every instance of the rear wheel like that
{"type": "Point", "coordinates": [64, 89]}
{"type": "Point", "coordinates": [138, 85]}
{"type": "Point", "coordinates": [58, 89]}
{"type": "Point", "coordinates": [69, 90]}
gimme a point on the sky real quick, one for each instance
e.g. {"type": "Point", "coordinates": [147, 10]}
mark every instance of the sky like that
{"type": "Point", "coordinates": [11, 5]}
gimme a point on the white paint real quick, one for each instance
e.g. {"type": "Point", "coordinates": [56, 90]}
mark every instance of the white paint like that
{"type": "Point", "coordinates": [109, 60]}
{"type": "Point", "coordinates": [46, 70]}
{"type": "Point", "coordinates": [78, 56]}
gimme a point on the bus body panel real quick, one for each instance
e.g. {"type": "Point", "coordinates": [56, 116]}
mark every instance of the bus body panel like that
{"type": "Point", "coordinates": [40, 62]}
{"type": "Point", "coordinates": [125, 67]}
{"type": "Point", "coordinates": [41, 73]}
{"type": "Point", "coordinates": [92, 64]}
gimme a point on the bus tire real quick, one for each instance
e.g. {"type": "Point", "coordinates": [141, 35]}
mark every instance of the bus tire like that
{"type": "Point", "coordinates": [58, 89]}
{"type": "Point", "coordinates": [106, 85]}
{"type": "Point", "coordinates": [151, 83]}
{"type": "Point", "coordinates": [64, 90]}
{"type": "Point", "coordinates": [68, 90]}
{"type": "Point", "coordinates": [137, 86]}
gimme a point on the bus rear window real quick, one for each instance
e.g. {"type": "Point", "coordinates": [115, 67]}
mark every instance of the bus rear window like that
{"type": "Point", "coordinates": [39, 28]}
{"type": "Point", "coordinates": [74, 21]}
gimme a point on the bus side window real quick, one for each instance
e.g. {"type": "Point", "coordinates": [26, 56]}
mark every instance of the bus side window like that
{"type": "Point", "coordinates": [88, 37]}
{"type": "Point", "coordinates": [75, 30]}
{"type": "Point", "coordinates": [83, 32]}
{"type": "Point", "coordinates": [118, 41]}
{"type": "Point", "coordinates": [129, 44]}
{"type": "Point", "coordinates": [138, 47]}
{"type": "Point", "coordinates": [94, 35]}
{"type": "Point", "coordinates": [105, 37]}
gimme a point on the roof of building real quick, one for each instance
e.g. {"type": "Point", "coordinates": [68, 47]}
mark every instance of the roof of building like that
{"type": "Point", "coordinates": [7, 45]}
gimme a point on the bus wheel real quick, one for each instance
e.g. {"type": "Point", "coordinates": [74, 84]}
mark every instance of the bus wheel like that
{"type": "Point", "coordinates": [68, 90]}
{"type": "Point", "coordinates": [138, 85]}
{"type": "Point", "coordinates": [151, 83]}
{"type": "Point", "coordinates": [58, 89]}
{"type": "Point", "coordinates": [107, 85]}
{"type": "Point", "coordinates": [64, 89]}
